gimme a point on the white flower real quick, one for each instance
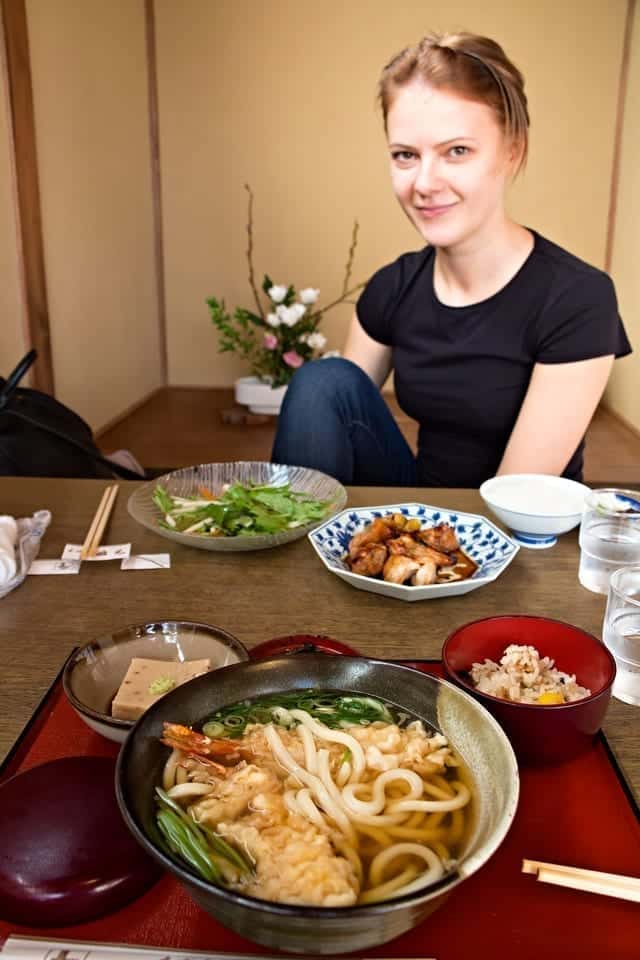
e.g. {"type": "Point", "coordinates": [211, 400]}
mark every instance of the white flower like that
{"type": "Point", "coordinates": [277, 293]}
{"type": "Point", "coordinates": [290, 315]}
{"type": "Point", "coordinates": [273, 319]}
{"type": "Point", "coordinates": [303, 338]}
{"type": "Point", "coordinates": [329, 354]}
{"type": "Point", "coordinates": [309, 295]}
{"type": "Point", "coordinates": [316, 341]}
{"type": "Point", "coordinates": [298, 311]}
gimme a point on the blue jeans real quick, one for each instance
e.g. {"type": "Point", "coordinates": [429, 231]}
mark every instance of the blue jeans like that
{"type": "Point", "coordinates": [334, 419]}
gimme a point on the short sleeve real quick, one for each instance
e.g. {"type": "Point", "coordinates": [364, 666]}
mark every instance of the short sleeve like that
{"type": "Point", "coordinates": [582, 322]}
{"type": "Point", "coordinates": [374, 306]}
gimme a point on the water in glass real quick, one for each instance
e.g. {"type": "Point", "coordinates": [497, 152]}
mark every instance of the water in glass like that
{"type": "Point", "coordinates": [604, 547]}
{"type": "Point", "coordinates": [622, 637]}
{"type": "Point", "coordinates": [609, 536]}
{"type": "Point", "coordinates": [621, 632]}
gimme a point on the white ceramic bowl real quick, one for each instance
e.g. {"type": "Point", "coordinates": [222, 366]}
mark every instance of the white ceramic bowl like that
{"type": "Point", "coordinates": [491, 549]}
{"type": "Point", "coordinates": [535, 506]}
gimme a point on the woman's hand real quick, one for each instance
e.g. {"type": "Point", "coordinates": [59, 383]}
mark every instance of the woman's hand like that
{"type": "Point", "coordinates": [373, 357]}
{"type": "Point", "coordinates": [557, 409]}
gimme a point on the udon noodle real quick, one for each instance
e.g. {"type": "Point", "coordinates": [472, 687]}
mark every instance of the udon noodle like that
{"type": "Point", "coordinates": [324, 817]}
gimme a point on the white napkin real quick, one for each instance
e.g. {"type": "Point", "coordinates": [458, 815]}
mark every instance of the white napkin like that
{"type": "Point", "coordinates": [8, 540]}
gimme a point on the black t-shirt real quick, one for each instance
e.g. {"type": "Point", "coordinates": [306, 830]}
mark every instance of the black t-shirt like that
{"type": "Point", "coordinates": [462, 372]}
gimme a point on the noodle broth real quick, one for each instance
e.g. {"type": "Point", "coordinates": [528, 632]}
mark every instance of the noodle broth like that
{"type": "Point", "coordinates": [354, 801]}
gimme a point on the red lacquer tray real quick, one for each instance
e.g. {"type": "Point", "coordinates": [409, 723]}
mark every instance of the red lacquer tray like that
{"type": "Point", "coordinates": [580, 813]}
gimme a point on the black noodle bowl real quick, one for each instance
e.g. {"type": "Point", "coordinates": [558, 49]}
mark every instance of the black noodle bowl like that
{"type": "Point", "coordinates": [472, 732]}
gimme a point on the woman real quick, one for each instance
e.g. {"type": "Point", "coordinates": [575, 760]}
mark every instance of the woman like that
{"type": "Point", "coordinates": [500, 341]}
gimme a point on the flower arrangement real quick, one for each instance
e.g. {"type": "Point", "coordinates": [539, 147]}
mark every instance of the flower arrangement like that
{"type": "Point", "coordinates": [281, 335]}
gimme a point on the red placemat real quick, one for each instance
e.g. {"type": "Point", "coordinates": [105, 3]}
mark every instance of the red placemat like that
{"type": "Point", "coordinates": [579, 813]}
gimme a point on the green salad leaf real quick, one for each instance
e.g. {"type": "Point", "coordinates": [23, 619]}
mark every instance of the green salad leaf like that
{"type": "Point", "coordinates": [243, 510]}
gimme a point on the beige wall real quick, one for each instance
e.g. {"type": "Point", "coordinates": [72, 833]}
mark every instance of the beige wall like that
{"type": "Point", "coordinates": [88, 62]}
{"type": "Point", "coordinates": [281, 94]}
{"type": "Point", "coordinates": [623, 393]}
{"type": "Point", "coordinates": [12, 339]}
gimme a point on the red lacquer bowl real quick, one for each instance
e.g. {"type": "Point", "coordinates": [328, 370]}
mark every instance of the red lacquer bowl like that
{"type": "Point", "coordinates": [539, 734]}
{"type": "Point", "coordinates": [300, 643]}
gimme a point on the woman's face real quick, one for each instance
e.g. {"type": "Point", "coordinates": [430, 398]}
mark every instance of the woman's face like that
{"type": "Point", "coordinates": [449, 164]}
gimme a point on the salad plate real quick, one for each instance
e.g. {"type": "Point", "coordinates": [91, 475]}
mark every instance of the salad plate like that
{"type": "Point", "coordinates": [292, 502]}
{"type": "Point", "coordinates": [490, 548]}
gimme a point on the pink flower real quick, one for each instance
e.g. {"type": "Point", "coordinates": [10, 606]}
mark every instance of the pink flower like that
{"type": "Point", "coordinates": [292, 359]}
{"type": "Point", "coordinates": [270, 341]}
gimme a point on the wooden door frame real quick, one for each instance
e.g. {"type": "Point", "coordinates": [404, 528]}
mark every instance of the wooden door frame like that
{"type": "Point", "coordinates": [617, 138]}
{"type": "Point", "coordinates": [17, 68]}
{"type": "Point", "coordinates": [156, 184]}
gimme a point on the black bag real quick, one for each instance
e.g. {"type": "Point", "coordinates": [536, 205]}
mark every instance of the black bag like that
{"type": "Point", "coordinates": [40, 437]}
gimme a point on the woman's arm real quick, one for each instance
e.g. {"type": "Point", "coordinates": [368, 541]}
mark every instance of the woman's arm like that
{"type": "Point", "coordinates": [557, 409]}
{"type": "Point", "coordinates": [373, 357]}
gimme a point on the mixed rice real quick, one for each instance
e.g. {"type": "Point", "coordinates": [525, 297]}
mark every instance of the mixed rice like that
{"type": "Point", "coordinates": [523, 676]}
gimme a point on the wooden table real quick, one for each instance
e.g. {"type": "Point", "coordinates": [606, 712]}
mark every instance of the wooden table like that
{"type": "Point", "coordinates": [257, 596]}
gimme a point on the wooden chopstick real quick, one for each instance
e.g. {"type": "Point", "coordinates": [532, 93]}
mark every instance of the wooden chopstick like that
{"type": "Point", "coordinates": [94, 523]}
{"type": "Point", "coordinates": [99, 522]}
{"type": "Point", "coordinates": [591, 881]}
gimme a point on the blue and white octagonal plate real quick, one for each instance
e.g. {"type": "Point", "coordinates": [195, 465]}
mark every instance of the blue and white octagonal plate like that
{"type": "Point", "coordinates": [491, 549]}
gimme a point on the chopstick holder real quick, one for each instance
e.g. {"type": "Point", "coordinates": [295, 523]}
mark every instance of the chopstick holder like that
{"type": "Point", "coordinates": [590, 881]}
{"type": "Point", "coordinates": [99, 522]}
{"type": "Point", "coordinates": [19, 945]}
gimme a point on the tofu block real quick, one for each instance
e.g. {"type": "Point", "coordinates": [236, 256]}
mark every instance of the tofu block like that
{"type": "Point", "coordinates": [147, 680]}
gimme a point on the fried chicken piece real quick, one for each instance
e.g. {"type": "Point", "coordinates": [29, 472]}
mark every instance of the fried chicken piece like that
{"type": "Point", "coordinates": [440, 559]}
{"type": "Point", "coordinates": [425, 574]}
{"type": "Point", "coordinates": [369, 560]}
{"type": "Point", "coordinates": [406, 546]}
{"type": "Point", "coordinates": [399, 545]}
{"type": "Point", "coordinates": [442, 537]}
{"type": "Point", "coordinates": [399, 568]}
{"type": "Point", "coordinates": [376, 532]}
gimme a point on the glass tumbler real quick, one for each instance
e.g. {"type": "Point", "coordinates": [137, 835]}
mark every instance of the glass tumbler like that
{"type": "Point", "coordinates": [621, 631]}
{"type": "Point", "coordinates": [609, 536]}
